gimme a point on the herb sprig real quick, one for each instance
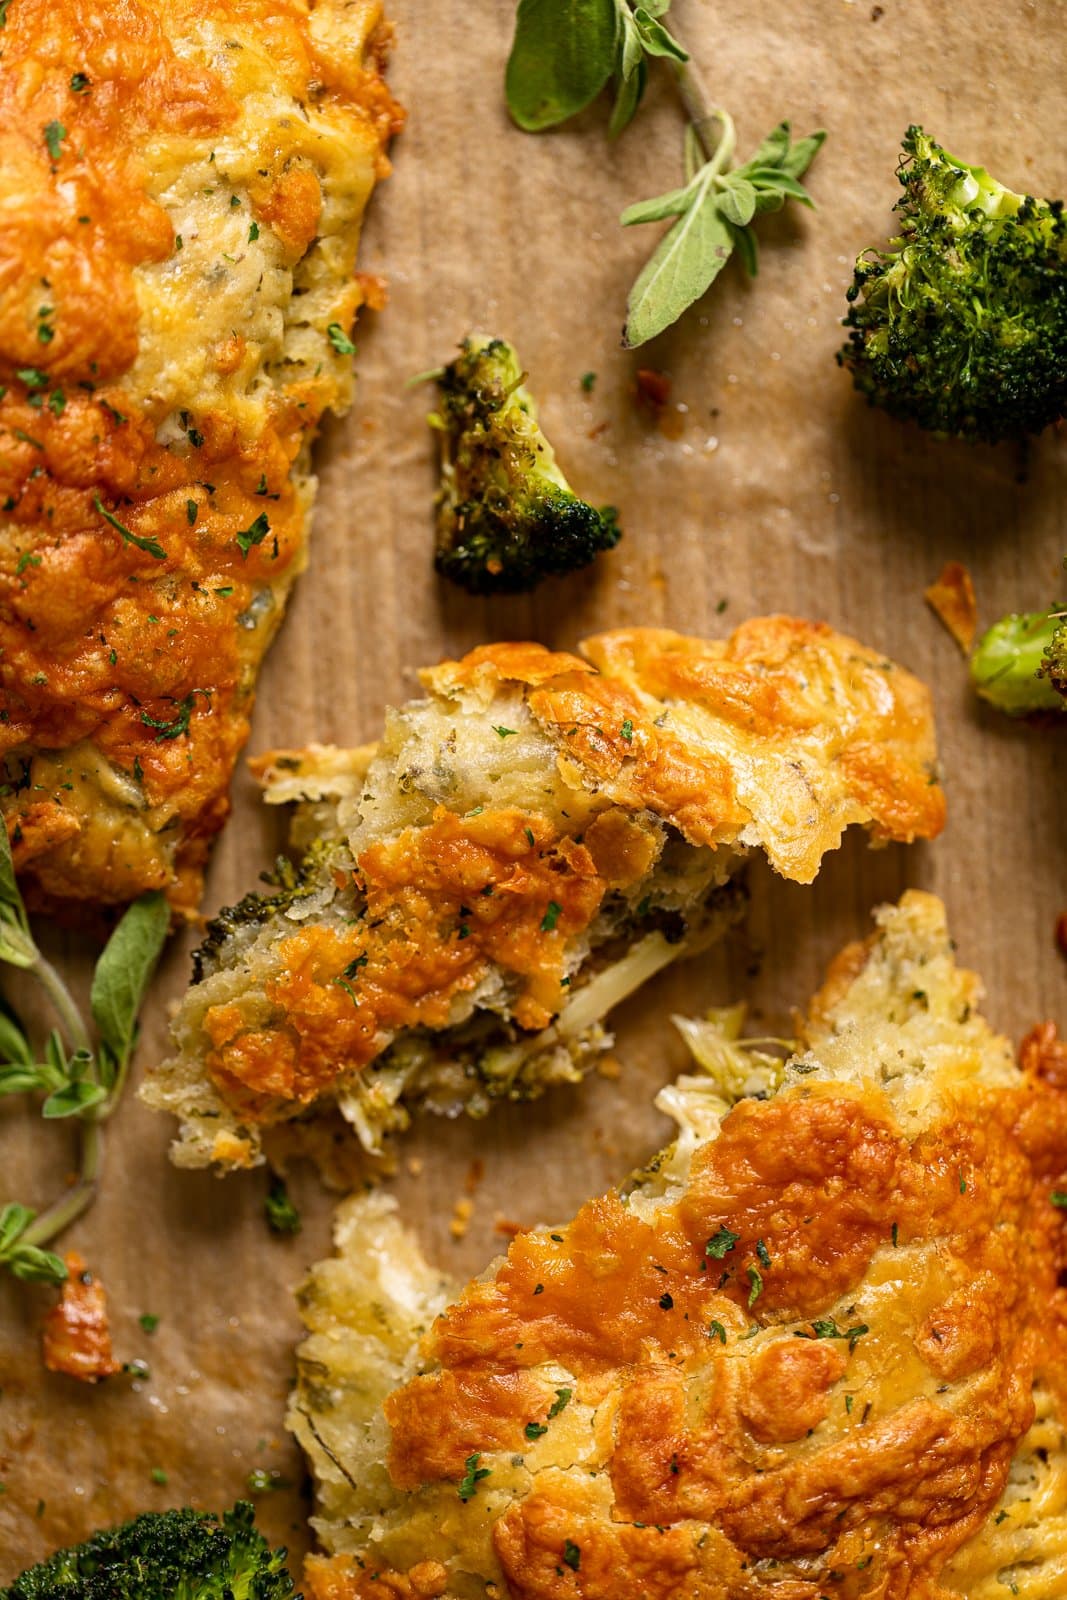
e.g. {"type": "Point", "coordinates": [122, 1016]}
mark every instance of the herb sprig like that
{"type": "Point", "coordinates": [564, 53]}
{"type": "Point", "coordinates": [78, 1077]}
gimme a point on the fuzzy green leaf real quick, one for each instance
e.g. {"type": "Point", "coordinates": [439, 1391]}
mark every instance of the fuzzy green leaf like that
{"type": "Point", "coordinates": [774, 149]}
{"type": "Point", "coordinates": [124, 970]}
{"type": "Point", "coordinates": [36, 1266]}
{"type": "Point", "coordinates": [631, 51]}
{"type": "Point", "coordinates": [684, 264]}
{"type": "Point", "coordinates": [19, 1080]}
{"type": "Point", "coordinates": [748, 249]}
{"type": "Point", "coordinates": [10, 898]}
{"type": "Point", "coordinates": [802, 154]}
{"type": "Point", "coordinates": [14, 1220]}
{"type": "Point", "coordinates": [655, 38]}
{"type": "Point", "coordinates": [737, 201]}
{"type": "Point", "coordinates": [563, 53]}
{"type": "Point", "coordinates": [671, 204]}
{"type": "Point", "coordinates": [75, 1097]}
{"type": "Point", "coordinates": [15, 1048]}
{"type": "Point", "coordinates": [16, 945]}
{"type": "Point", "coordinates": [627, 100]}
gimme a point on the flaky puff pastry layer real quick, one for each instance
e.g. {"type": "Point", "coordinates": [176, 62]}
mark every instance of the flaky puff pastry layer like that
{"type": "Point", "coordinates": [533, 808]}
{"type": "Point", "coordinates": [798, 1357]}
{"type": "Point", "coordinates": [181, 196]}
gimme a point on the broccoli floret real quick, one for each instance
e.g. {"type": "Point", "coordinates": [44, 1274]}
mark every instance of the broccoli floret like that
{"type": "Point", "coordinates": [506, 516]}
{"type": "Point", "coordinates": [1020, 665]}
{"type": "Point", "coordinates": [960, 323]}
{"type": "Point", "coordinates": [291, 883]}
{"type": "Point", "coordinates": [164, 1555]}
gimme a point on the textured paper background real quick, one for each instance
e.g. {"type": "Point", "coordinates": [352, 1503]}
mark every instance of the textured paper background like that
{"type": "Point", "coordinates": [781, 490]}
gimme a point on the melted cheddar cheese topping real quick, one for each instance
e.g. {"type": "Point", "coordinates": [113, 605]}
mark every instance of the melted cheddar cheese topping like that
{"type": "Point", "coordinates": [180, 205]}
{"type": "Point", "coordinates": [800, 1358]}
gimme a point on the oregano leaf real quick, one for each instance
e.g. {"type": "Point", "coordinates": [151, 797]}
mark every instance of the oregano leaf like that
{"type": "Point", "coordinates": [36, 1266]}
{"type": "Point", "coordinates": [124, 969]}
{"type": "Point", "coordinates": [801, 154]}
{"type": "Point", "coordinates": [655, 38]}
{"type": "Point", "coordinates": [737, 201]}
{"type": "Point", "coordinates": [631, 50]}
{"type": "Point", "coordinates": [72, 1099]}
{"type": "Point", "coordinates": [684, 264]}
{"type": "Point", "coordinates": [14, 1220]}
{"type": "Point", "coordinates": [671, 204]}
{"type": "Point", "coordinates": [627, 100]}
{"type": "Point", "coordinates": [14, 1045]}
{"type": "Point", "coordinates": [748, 249]}
{"type": "Point", "coordinates": [562, 55]}
{"type": "Point", "coordinates": [9, 889]}
{"type": "Point", "coordinates": [774, 149]}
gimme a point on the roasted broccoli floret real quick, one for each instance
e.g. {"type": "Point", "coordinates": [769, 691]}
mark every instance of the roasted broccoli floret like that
{"type": "Point", "coordinates": [164, 1555]}
{"type": "Point", "coordinates": [1020, 665]}
{"type": "Point", "coordinates": [960, 323]}
{"type": "Point", "coordinates": [506, 516]}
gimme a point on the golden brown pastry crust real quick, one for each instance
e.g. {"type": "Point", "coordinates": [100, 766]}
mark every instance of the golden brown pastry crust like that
{"type": "Point", "coordinates": [700, 1462]}
{"type": "Point", "coordinates": [126, 676]}
{"type": "Point", "coordinates": [847, 718]}
{"type": "Point", "coordinates": [781, 735]}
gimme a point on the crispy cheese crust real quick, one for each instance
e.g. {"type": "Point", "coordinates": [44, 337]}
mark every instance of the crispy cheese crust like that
{"type": "Point", "coordinates": [532, 809]}
{"type": "Point", "coordinates": [796, 1360]}
{"type": "Point", "coordinates": [180, 202]}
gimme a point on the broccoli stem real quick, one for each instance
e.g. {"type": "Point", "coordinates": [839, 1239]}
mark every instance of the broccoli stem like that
{"type": "Point", "coordinates": [1006, 666]}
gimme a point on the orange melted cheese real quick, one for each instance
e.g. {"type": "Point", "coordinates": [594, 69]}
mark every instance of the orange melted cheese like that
{"type": "Point", "coordinates": [444, 904]}
{"type": "Point", "coordinates": [134, 655]}
{"type": "Point", "coordinates": [701, 1490]}
{"type": "Point", "coordinates": [804, 1372]}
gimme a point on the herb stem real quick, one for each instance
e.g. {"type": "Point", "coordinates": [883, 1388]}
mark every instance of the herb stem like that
{"type": "Point", "coordinates": [70, 1207]}
{"type": "Point", "coordinates": [61, 998]}
{"type": "Point", "coordinates": [698, 104]}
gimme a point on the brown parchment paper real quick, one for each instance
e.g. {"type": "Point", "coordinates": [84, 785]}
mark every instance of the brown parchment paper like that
{"type": "Point", "coordinates": [773, 486]}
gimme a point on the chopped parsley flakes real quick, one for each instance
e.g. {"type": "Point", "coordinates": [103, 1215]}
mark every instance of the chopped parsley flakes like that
{"type": "Point", "coordinates": [559, 1403]}
{"type": "Point", "coordinates": [151, 547]}
{"type": "Point", "coordinates": [340, 340]}
{"type": "Point", "coordinates": [472, 1477]}
{"type": "Point", "coordinates": [826, 1328]}
{"type": "Point", "coordinates": [720, 1242]}
{"type": "Point", "coordinates": [54, 134]}
{"type": "Point", "coordinates": [254, 535]}
{"type": "Point", "coordinates": [551, 917]}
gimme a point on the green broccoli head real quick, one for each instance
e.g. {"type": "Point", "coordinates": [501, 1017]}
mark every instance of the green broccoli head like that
{"type": "Point", "coordinates": [1020, 665]}
{"type": "Point", "coordinates": [506, 516]}
{"type": "Point", "coordinates": [164, 1555]}
{"type": "Point", "coordinates": [960, 324]}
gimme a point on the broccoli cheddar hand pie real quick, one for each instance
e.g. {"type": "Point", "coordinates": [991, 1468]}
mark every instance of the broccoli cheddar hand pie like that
{"type": "Point", "coordinates": [528, 844]}
{"type": "Point", "coordinates": [181, 193]}
{"type": "Point", "coordinates": [797, 1358]}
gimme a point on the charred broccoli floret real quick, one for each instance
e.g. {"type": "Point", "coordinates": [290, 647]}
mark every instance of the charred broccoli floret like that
{"type": "Point", "coordinates": [1020, 665]}
{"type": "Point", "coordinates": [164, 1555]}
{"type": "Point", "coordinates": [506, 516]}
{"type": "Point", "coordinates": [960, 323]}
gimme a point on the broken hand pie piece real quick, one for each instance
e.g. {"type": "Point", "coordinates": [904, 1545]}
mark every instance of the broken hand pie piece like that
{"type": "Point", "coordinates": [182, 190]}
{"type": "Point", "coordinates": [529, 843]}
{"type": "Point", "coordinates": [799, 1356]}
